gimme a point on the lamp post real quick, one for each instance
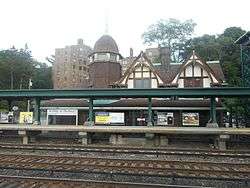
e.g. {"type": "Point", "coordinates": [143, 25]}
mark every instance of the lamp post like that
{"type": "Point", "coordinates": [28, 105]}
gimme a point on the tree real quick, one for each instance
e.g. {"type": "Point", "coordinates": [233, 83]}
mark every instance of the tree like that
{"type": "Point", "coordinates": [42, 78]}
{"type": "Point", "coordinates": [170, 33]}
{"type": "Point", "coordinates": [16, 67]}
{"type": "Point", "coordinates": [207, 46]}
{"type": "Point", "coordinates": [220, 47]}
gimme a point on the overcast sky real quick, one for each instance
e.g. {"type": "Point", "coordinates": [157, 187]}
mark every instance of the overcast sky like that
{"type": "Point", "coordinates": [49, 24]}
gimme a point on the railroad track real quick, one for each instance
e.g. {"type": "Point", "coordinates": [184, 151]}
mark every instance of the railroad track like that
{"type": "Point", "coordinates": [131, 150]}
{"type": "Point", "coordinates": [155, 168]}
{"type": "Point", "coordinates": [31, 182]}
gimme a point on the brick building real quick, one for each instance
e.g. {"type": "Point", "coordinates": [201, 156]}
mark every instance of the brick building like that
{"type": "Point", "coordinates": [70, 69]}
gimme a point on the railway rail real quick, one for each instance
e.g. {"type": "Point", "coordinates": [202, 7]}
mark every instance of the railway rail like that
{"type": "Point", "coordinates": [31, 182]}
{"type": "Point", "coordinates": [130, 150]}
{"type": "Point", "coordinates": [155, 168]}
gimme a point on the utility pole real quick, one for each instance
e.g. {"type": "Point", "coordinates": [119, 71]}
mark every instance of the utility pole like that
{"type": "Point", "coordinates": [11, 79]}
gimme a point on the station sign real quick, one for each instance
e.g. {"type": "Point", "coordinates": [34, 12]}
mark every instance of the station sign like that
{"type": "Point", "coordinates": [61, 112]}
{"type": "Point", "coordinates": [190, 119]}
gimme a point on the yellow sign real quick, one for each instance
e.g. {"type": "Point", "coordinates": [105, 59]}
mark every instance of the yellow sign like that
{"type": "Point", "coordinates": [26, 117]}
{"type": "Point", "coordinates": [104, 119]}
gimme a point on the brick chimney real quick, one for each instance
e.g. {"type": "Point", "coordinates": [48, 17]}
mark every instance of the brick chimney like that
{"type": "Point", "coordinates": [131, 53]}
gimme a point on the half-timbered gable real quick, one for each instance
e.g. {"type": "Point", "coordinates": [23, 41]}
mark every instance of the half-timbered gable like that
{"type": "Point", "coordinates": [140, 74]}
{"type": "Point", "coordinates": [196, 73]}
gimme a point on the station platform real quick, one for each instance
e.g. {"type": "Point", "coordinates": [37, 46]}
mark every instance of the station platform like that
{"type": "Point", "coordinates": [128, 129]}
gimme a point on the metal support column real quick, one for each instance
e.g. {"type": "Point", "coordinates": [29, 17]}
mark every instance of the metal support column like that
{"type": "Point", "coordinates": [90, 111]}
{"type": "Point", "coordinates": [133, 118]}
{"type": "Point", "coordinates": [150, 123]}
{"type": "Point", "coordinates": [37, 111]}
{"type": "Point", "coordinates": [212, 122]}
{"type": "Point", "coordinates": [213, 110]}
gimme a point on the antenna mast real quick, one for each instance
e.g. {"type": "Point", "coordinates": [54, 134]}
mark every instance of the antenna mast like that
{"type": "Point", "coordinates": [106, 21]}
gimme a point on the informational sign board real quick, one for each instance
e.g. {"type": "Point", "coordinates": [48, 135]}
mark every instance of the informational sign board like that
{"type": "Point", "coordinates": [165, 118]}
{"type": "Point", "coordinates": [62, 112]}
{"type": "Point", "coordinates": [190, 119]}
{"type": "Point", "coordinates": [26, 117]}
{"type": "Point", "coordinates": [4, 117]}
{"type": "Point", "coordinates": [116, 117]}
{"type": "Point", "coordinates": [109, 118]}
{"type": "Point", "coordinates": [59, 113]}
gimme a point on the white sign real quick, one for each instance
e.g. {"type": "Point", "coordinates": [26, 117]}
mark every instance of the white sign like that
{"type": "Point", "coordinates": [4, 117]}
{"type": "Point", "coordinates": [165, 118]}
{"type": "Point", "coordinates": [62, 112]}
{"type": "Point", "coordinates": [116, 117]}
{"type": "Point", "coordinates": [141, 119]}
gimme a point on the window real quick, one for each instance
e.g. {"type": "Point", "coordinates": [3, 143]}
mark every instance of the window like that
{"type": "Point", "coordinates": [193, 82]}
{"type": "Point", "coordinates": [142, 83]}
{"type": "Point", "coordinates": [102, 57]}
{"type": "Point", "coordinates": [80, 67]}
{"type": "Point", "coordinates": [112, 57]}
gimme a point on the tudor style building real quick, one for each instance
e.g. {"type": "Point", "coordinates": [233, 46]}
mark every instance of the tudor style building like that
{"type": "Point", "coordinates": [150, 69]}
{"type": "Point", "coordinates": [192, 73]}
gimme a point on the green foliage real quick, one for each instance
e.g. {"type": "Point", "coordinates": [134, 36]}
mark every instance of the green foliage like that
{"type": "Point", "coordinates": [223, 48]}
{"type": "Point", "coordinates": [3, 106]}
{"type": "Point", "coordinates": [16, 67]}
{"type": "Point", "coordinates": [170, 33]}
{"type": "Point", "coordinates": [42, 78]}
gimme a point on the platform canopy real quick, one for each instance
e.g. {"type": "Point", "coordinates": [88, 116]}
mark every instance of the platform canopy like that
{"type": "Point", "coordinates": [116, 93]}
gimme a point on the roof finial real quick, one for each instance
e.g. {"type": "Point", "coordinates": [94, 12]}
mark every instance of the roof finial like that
{"type": "Point", "coordinates": [193, 52]}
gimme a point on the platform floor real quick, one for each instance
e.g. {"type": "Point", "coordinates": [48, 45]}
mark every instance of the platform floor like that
{"type": "Point", "coordinates": [128, 129]}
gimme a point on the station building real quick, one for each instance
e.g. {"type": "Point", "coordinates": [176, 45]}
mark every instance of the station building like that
{"type": "Point", "coordinates": [150, 69]}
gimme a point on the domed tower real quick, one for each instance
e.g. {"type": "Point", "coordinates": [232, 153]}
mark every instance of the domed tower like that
{"type": "Point", "coordinates": [104, 68]}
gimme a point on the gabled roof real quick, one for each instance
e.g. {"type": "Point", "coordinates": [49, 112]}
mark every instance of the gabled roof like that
{"type": "Point", "coordinates": [214, 69]}
{"type": "Point", "coordinates": [132, 66]}
{"type": "Point", "coordinates": [169, 71]}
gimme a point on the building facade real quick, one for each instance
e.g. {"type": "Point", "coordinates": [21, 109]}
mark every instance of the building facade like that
{"type": "Point", "coordinates": [71, 66]}
{"type": "Point", "coordinates": [150, 69]}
